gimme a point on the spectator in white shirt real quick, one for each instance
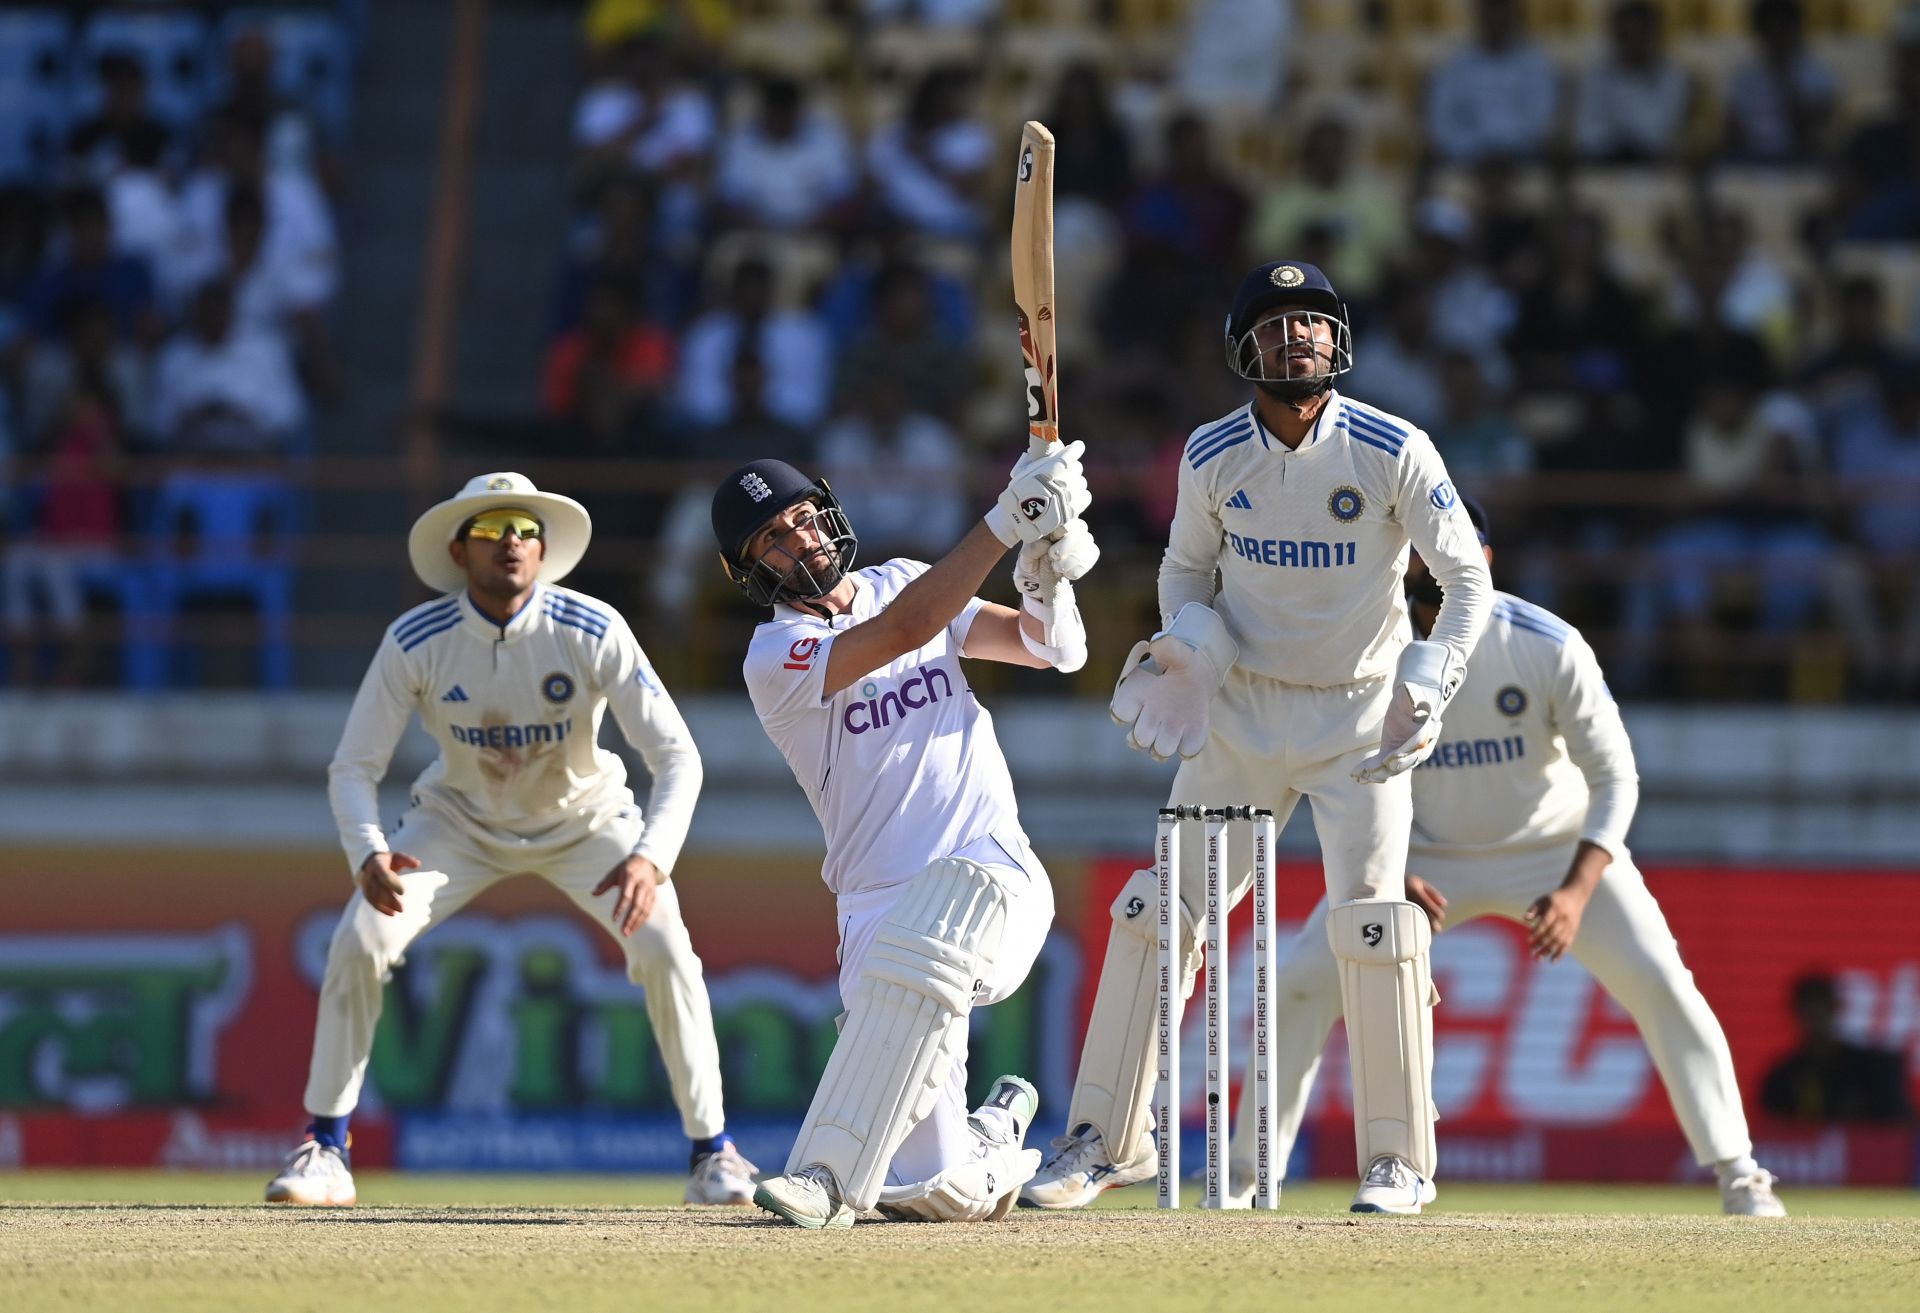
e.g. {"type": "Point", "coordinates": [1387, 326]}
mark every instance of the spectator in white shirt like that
{"type": "Point", "coordinates": [929, 166]}
{"type": "Point", "coordinates": [1633, 107]}
{"type": "Point", "coordinates": [1778, 106]}
{"type": "Point", "coordinates": [901, 472]}
{"type": "Point", "coordinates": [1499, 96]}
{"type": "Point", "coordinates": [223, 389]}
{"type": "Point", "coordinates": [792, 343]}
{"type": "Point", "coordinates": [643, 119]}
{"type": "Point", "coordinates": [791, 167]}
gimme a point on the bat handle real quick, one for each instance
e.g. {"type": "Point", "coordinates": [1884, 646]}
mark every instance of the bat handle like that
{"type": "Point", "coordinates": [1039, 443]}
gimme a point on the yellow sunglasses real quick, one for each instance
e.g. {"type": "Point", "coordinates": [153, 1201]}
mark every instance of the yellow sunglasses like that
{"type": "Point", "coordinates": [492, 526]}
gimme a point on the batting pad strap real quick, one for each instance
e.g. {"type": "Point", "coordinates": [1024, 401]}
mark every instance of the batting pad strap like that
{"type": "Point", "coordinates": [1386, 984]}
{"type": "Point", "coordinates": [906, 1025]}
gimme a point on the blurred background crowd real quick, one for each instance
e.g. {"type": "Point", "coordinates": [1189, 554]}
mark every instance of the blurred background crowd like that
{"type": "Point", "coordinates": [1647, 270]}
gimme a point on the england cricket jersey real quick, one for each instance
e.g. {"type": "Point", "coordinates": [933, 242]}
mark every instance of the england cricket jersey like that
{"type": "Point", "coordinates": [1310, 544]}
{"type": "Point", "coordinates": [902, 765]}
{"type": "Point", "coordinates": [1532, 750]}
{"type": "Point", "coordinates": [516, 710]}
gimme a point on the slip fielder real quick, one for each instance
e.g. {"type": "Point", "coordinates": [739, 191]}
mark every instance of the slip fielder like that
{"type": "Point", "coordinates": [1285, 670]}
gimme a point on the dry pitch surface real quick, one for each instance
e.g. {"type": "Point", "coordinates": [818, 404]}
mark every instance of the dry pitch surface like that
{"type": "Point", "coordinates": [98, 1242]}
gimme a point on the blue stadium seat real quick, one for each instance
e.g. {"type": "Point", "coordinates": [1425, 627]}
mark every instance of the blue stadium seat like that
{"type": "Point", "coordinates": [313, 59]}
{"type": "Point", "coordinates": [172, 45]}
{"type": "Point", "coordinates": [35, 85]}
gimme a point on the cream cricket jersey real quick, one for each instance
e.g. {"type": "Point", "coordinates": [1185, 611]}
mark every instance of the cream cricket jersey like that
{"type": "Point", "coordinates": [516, 710]}
{"type": "Point", "coordinates": [1310, 545]}
{"type": "Point", "coordinates": [1532, 750]}
{"type": "Point", "coordinates": [902, 765]}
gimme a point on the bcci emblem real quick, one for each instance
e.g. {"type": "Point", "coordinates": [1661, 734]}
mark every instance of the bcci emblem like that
{"type": "Point", "coordinates": [500, 484]}
{"type": "Point", "coordinates": [1346, 504]}
{"type": "Point", "coordinates": [556, 687]}
{"type": "Point", "coordinates": [1512, 700]}
{"type": "Point", "coordinates": [1288, 276]}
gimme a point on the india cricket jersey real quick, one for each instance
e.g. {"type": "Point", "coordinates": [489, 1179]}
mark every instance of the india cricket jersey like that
{"type": "Point", "coordinates": [902, 765]}
{"type": "Point", "coordinates": [1310, 544]}
{"type": "Point", "coordinates": [1532, 750]}
{"type": "Point", "coordinates": [516, 710]}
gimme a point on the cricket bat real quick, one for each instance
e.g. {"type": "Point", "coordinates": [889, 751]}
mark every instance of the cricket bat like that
{"type": "Point", "coordinates": [1033, 282]}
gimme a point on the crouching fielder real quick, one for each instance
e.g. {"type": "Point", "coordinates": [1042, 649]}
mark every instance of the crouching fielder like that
{"type": "Point", "coordinates": [1522, 812]}
{"type": "Point", "coordinates": [942, 904]}
{"type": "Point", "coordinates": [1295, 679]}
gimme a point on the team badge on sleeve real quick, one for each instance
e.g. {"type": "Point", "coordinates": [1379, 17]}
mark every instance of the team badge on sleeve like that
{"type": "Point", "coordinates": [1443, 496]}
{"type": "Point", "coordinates": [1512, 700]}
{"type": "Point", "coordinates": [1346, 504]}
{"type": "Point", "coordinates": [557, 687]}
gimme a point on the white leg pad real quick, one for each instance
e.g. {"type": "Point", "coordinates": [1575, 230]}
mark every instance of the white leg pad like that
{"type": "Point", "coordinates": [981, 1190]}
{"type": "Point", "coordinates": [1386, 984]}
{"type": "Point", "coordinates": [906, 1026]}
{"type": "Point", "coordinates": [1114, 1089]}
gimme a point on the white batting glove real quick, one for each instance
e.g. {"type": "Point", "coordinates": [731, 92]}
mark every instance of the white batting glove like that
{"type": "Point", "coordinates": [1165, 693]}
{"type": "Point", "coordinates": [1041, 565]}
{"type": "Point", "coordinates": [1422, 683]}
{"type": "Point", "coordinates": [1044, 495]}
{"type": "Point", "coordinates": [1044, 573]}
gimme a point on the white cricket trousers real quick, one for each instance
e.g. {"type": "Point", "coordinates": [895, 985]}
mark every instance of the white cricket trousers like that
{"type": "Point", "coordinates": [456, 865]}
{"type": "Point", "coordinates": [1624, 941]}
{"type": "Point", "coordinates": [941, 1140]}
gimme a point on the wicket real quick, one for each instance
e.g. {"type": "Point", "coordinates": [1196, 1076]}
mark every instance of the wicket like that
{"type": "Point", "coordinates": [1258, 824]}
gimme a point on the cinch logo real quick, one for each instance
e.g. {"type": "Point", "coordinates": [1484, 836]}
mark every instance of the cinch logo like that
{"type": "Point", "coordinates": [1306, 554]}
{"type": "Point", "coordinates": [921, 688]}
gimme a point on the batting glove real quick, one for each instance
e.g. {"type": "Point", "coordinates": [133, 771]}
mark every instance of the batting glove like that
{"type": "Point", "coordinates": [1044, 495]}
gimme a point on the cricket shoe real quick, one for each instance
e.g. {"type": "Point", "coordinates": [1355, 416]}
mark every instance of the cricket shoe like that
{"type": "Point", "coordinates": [1751, 1195]}
{"type": "Point", "coordinates": [1021, 1101]}
{"type": "Point", "coordinates": [808, 1198]}
{"type": "Point", "coordinates": [1241, 1195]}
{"type": "Point", "coordinates": [1392, 1186]}
{"type": "Point", "coordinates": [315, 1174]}
{"type": "Point", "coordinates": [1080, 1170]}
{"type": "Point", "coordinates": [721, 1177]}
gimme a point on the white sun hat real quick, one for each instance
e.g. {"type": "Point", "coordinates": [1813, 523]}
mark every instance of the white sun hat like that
{"type": "Point", "coordinates": [567, 524]}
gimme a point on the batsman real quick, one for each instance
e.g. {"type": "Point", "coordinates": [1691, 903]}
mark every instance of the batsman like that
{"type": "Point", "coordinates": [1285, 667]}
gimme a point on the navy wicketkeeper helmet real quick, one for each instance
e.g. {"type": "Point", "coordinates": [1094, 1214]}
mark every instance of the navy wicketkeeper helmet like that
{"type": "Point", "coordinates": [1309, 343]}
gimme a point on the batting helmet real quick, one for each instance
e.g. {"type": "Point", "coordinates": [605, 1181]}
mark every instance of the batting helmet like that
{"type": "Point", "coordinates": [1314, 341]}
{"type": "Point", "coordinates": [753, 495]}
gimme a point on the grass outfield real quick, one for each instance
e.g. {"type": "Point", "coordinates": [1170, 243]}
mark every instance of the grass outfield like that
{"type": "Point", "coordinates": [428, 1244]}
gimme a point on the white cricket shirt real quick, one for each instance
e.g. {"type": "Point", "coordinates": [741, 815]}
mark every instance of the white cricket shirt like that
{"type": "Point", "coordinates": [1532, 749]}
{"type": "Point", "coordinates": [516, 710]}
{"type": "Point", "coordinates": [1310, 544]}
{"type": "Point", "coordinates": [901, 766]}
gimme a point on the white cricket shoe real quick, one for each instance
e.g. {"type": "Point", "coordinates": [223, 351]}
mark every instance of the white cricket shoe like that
{"type": "Point", "coordinates": [808, 1198]}
{"type": "Point", "coordinates": [722, 1177]}
{"type": "Point", "coordinates": [1392, 1186]}
{"type": "Point", "coordinates": [314, 1174]}
{"type": "Point", "coordinates": [1241, 1195]}
{"type": "Point", "coordinates": [1751, 1195]}
{"type": "Point", "coordinates": [1079, 1170]}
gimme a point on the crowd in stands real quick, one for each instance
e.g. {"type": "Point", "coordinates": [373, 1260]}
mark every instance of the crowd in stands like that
{"type": "Point", "coordinates": [167, 261]}
{"type": "Point", "coordinates": [1645, 269]}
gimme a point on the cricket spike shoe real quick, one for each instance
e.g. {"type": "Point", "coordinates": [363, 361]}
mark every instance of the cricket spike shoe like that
{"type": "Point", "coordinates": [808, 1198]}
{"type": "Point", "coordinates": [1080, 1170]}
{"type": "Point", "coordinates": [316, 1175]}
{"type": "Point", "coordinates": [722, 1177]}
{"type": "Point", "coordinates": [1751, 1195]}
{"type": "Point", "coordinates": [1392, 1186]}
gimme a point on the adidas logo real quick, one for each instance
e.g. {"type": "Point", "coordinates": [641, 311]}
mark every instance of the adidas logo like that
{"type": "Point", "coordinates": [454, 694]}
{"type": "Point", "coordinates": [1240, 501]}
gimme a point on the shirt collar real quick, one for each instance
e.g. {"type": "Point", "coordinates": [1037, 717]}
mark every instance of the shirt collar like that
{"type": "Point", "coordinates": [493, 631]}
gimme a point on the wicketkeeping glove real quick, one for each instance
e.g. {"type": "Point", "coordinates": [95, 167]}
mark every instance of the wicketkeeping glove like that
{"type": "Point", "coordinates": [1422, 683]}
{"type": "Point", "coordinates": [1165, 692]}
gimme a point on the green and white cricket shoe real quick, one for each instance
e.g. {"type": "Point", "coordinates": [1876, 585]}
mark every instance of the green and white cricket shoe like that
{"type": "Point", "coordinates": [809, 1198]}
{"type": "Point", "coordinates": [316, 1175]}
{"type": "Point", "coordinates": [1080, 1170]}
{"type": "Point", "coordinates": [1392, 1186]}
{"type": "Point", "coordinates": [722, 1177]}
{"type": "Point", "coordinates": [1014, 1094]}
